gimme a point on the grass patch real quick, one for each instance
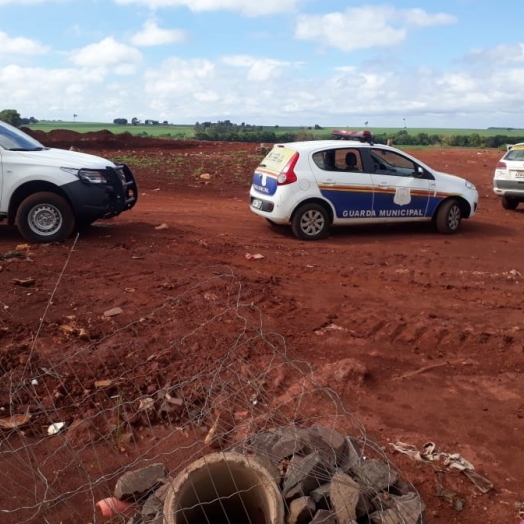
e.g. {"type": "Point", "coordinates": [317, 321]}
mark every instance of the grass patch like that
{"type": "Point", "coordinates": [187, 131]}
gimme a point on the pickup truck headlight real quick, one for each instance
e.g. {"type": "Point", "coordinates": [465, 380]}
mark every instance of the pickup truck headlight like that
{"type": "Point", "coordinates": [90, 176]}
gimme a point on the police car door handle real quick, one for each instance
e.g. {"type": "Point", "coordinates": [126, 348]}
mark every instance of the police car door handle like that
{"type": "Point", "coordinates": [329, 182]}
{"type": "Point", "coordinates": [383, 184]}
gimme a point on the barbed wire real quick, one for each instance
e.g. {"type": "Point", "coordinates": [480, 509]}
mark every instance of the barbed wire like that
{"type": "Point", "coordinates": [198, 374]}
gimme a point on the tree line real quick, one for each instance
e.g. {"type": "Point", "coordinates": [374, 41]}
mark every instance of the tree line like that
{"type": "Point", "coordinates": [228, 131]}
{"type": "Point", "coordinates": [12, 116]}
{"type": "Point", "coordinates": [475, 140]}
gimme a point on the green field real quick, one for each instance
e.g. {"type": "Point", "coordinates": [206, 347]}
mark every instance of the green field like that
{"type": "Point", "coordinates": [186, 131]}
{"type": "Point", "coordinates": [173, 131]}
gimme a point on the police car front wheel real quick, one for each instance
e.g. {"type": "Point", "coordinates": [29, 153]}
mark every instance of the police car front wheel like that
{"type": "Point", "coordinates": [310, 222]}
{"type": "Point", "coordinates": [448, 217]}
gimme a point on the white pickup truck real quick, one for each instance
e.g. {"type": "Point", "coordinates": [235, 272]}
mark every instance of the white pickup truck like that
{"type": "Point", "coordinates": [48, 193]}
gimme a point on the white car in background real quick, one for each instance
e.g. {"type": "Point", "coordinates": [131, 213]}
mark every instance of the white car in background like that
{"type": "Point", "coordinates": [316, 184]}
{"type": "Point", "coordinates": [508, 180]}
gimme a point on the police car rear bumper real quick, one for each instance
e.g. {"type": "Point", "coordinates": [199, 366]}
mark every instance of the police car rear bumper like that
{"type": "Point", "coordinates": [259, 204]}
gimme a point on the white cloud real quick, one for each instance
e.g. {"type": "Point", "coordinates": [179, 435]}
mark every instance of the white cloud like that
{"type": "Point", "coordinates": [152, 35]}
{"type": "Point", "coordinates": [176, 76]}
{"type": "Point", "coordinates": [364, 27]}
{"type": "Point", "coordinates": [20, 46]}
{"type": "Point", "coordinates": [419, 17]}
{"type": "Point", "coordinates": [68, 91]}
{"type": "Point", "coordinates": [60, 88]}
{"type": "Point", "coordinates": [108, 53]}
{"type": "Point", "coordinates": [246, 7]}
{"type": "Point", "coordinates": [258, 69]}
{"type": "Point", "coordinates": [503, 54]}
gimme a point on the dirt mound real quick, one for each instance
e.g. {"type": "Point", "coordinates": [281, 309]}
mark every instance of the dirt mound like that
{"type": "Point", "coordinates": [104, 139]}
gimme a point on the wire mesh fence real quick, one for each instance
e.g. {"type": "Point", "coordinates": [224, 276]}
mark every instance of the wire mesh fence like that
{"type": "Point", "coordinates": [193, 383]}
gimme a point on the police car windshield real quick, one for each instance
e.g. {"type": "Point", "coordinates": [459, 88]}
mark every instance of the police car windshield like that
{"type": "Point", "coordinates": [13, 139]}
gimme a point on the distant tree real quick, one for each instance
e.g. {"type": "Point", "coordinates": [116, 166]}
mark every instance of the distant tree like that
{"type": "Point", "coordinates": [31, 120]}
{"type": "Point", "coordinates": [120, 121]}
{"type": "Point", "coordinates": [11, 116]}
{"type": "Point", "coordinates": [422, 139]}
{"type": "Point", "coordinates": [475, 140]}
{"type": "Point", "coordinates": [135, 121]}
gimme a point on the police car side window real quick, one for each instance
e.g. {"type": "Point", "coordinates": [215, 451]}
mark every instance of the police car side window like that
{"type": "Point", "coordinates": [345, 160]}
{"type": "Point", "coordinates": [329, 159]}
{"type": "Point", "coordinates": [348, 160]}
{"type": "Point", "coordinates": [320, 160]}
{"type": "Point", "coordinates": [391, 163]}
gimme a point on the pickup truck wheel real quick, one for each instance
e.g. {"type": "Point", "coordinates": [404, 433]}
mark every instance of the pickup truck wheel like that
{"type": "Point", "coordinates": [45, 217]}
{"type": "Point", "coordinates": [509, 203]}
{"type": "Point", "coordinates": [448, 217]}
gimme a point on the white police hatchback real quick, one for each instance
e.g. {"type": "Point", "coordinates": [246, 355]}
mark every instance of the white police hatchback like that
{"type": "Point", "coordinates": [314, 185]}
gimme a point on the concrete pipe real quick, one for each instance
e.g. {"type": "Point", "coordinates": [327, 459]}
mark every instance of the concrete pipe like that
{"type": "Point", "coordinates": [225, 488]}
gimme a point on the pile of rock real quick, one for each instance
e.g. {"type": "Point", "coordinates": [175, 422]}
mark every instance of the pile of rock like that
{"type": "Point", "coordinates": [327, 477]}
{"type": "Point", "coordinates": [292, 475]}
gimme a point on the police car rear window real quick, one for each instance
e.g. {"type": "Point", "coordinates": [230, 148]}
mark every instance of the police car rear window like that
{"type": "Point", "coordinates": [277, 159]}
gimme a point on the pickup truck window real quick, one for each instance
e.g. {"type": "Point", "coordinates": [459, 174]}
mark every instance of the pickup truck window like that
{"type": "Point", "coordinates": [13, 139]}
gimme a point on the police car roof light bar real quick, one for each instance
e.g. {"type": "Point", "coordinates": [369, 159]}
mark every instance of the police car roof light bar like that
{"type": "Point", "coordinates": [361, 136]}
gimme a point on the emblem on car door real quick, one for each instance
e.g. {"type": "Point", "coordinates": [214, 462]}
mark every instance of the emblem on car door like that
{"type": "Point", "coordinates": [402, 196]}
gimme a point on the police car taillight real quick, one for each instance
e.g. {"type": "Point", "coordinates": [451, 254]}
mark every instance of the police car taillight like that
{"type": "Point", "coordinates": [287, 175]}
{"type": "Point", "coordinates": [501, 165]}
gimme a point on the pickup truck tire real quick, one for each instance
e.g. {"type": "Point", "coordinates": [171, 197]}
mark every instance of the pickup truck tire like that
{"type": "Point", "coordinates": [509, 203]}
{"type": "Point", "coordinates": [45, 217]}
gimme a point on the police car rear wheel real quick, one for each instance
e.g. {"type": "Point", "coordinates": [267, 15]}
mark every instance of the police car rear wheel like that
{"type": "Point", "coordinates": [448, 217]}
{"type": "Point", "coordinates": [509, 203]}
{"type": "Point", "coordinates": [310, 222]}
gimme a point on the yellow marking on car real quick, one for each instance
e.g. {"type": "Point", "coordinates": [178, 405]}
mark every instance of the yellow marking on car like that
{"type": "Point", "coordinates": [346, 189]}
{"type": "Point", "coordinates": [415, 192]}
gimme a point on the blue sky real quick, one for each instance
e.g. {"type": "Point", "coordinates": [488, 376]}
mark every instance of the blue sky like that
{"type": "Point", "coordinates": [451, 63]}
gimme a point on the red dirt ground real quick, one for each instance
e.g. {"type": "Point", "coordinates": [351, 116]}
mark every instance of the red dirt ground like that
{"type": "Point", "coordinates": [435, 321]}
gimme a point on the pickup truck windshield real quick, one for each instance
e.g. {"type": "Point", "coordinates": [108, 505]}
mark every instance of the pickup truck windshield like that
{"type": "Point", "coordinates": [13, 139]}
